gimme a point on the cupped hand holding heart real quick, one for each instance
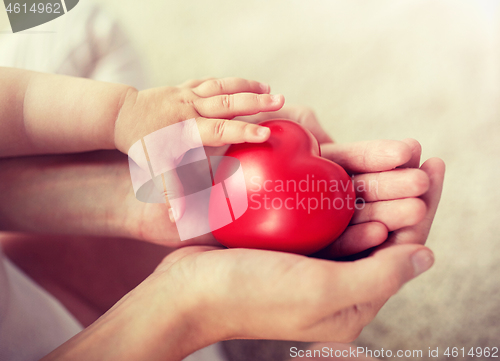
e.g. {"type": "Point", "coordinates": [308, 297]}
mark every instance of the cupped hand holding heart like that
{"type": "Point", "coordinates": [299, 202]}
{"type": "Point", "coordinates": [395, 203]}
{"type": "Point", "coordinates": [250, 293]}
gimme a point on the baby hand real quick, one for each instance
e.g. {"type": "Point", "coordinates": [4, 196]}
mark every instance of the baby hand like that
{"type": "Point", "coordinates": [144, 128]}
{"type": "Point", "coordinates": [212, 102]}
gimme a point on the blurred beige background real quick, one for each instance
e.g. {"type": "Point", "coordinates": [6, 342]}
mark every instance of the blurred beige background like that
{"type": "Point", "coordinates": [387, 69]}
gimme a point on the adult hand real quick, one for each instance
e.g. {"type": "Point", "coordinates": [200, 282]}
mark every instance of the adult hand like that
{"type": "Point", "coordinates": [416, 234]}
{"type": "Point", "coordinates": [299, 298]}
{"type": "Point", "coordinates": [390, 189]}
{"type": "Point", "coordinates": [201, 294]}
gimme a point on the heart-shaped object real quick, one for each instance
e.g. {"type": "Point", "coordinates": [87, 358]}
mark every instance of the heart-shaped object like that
{"type": "Point", "coordinates": [297, 201]}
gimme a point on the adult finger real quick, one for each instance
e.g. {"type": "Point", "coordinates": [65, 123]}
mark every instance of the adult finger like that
{"type": "Point", "coordinates": [151, 159]}
{"type": "Point", "coordinates": [173, 191]}
{"type": "Point", "coordinates": [355, 239]}
{"type": "Point", "coordinates": [217, 132]}
{"type": "Point", "coordinates": [394, 214]}
{"type": "Point", "coordinates": [305, 116]}
{"type": "Point", "coordinates": [435, 169]}
{"type": "Point", "coordinates": [395, 184]}
{"type": "Point", "coordinates": [368, 156]}
{"type": "Point", "coordinates": [416, 152]}
{"type": "Point", "coordinates": [215, 87]}
{"type": "Point", "coordinates": [231, 105]}
{"type": "Point", "coordinates": [169, 184]}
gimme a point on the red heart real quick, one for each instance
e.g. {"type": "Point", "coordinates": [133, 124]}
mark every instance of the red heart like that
{"type": "Point", "coordinates": [297, 201]}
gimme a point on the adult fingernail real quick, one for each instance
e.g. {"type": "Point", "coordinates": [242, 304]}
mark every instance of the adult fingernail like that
{"type": "Point", "coordinates": [265, 88]}
{"type": "Point", "coordinates": [171, 215]}
{"type": "Point", "coordinates": [422, 260]}
{"type": "Point", "coordinates": [263, 132]}
{"type": "Point", "coordinates": [276, 99]}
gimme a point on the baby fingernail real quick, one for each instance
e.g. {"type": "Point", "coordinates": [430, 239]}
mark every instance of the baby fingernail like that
{"type": "Point", "coordinates": [265, 88]}
{"type": "Point", "coordinates": [263, 132]}
{"type": "Point", "coordinates": [422, 260]}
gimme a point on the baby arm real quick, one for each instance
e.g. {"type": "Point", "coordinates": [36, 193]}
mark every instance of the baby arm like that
{"type": "Point", "coordinates": [49, 114]}
{"type": "Point", "coordinates": [45, 113]}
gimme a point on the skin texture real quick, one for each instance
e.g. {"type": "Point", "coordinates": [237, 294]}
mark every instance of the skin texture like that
{"type": "Point", "coordinates": [47, 114]}
{"type": "Point", "coordinates": [434, 168]}
{"type": "Point", "coordinates": [200, 293]}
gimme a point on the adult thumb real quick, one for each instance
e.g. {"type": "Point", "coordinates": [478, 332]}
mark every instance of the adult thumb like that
{"type": "Point", "coordinates": [383, 273]}
{"type": "Point", "coordinates": [171, 187]}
